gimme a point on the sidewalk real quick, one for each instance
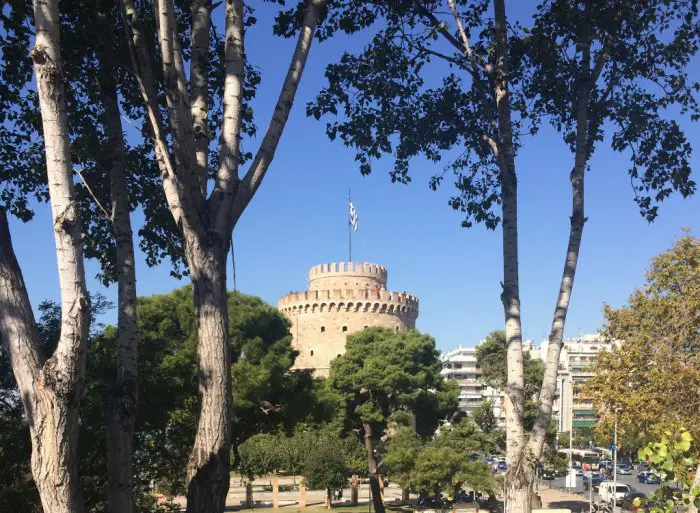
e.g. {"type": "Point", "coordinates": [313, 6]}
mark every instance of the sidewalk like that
{"type": "Point", "coordinates": [557, 499]}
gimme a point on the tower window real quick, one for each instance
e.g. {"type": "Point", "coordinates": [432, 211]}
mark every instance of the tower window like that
{"type": "Point", "coordinates": [312, 352]}
{"type": "Point", "coordinates": [323, 329]}
{"type": "Point", "coordinates": [345, 328]}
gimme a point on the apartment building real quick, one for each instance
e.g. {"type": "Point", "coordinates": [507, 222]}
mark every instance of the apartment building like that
{"type": "Point", "coordinates": [460, 365]}
{"type": "Point", "coordinates": [575, 368]}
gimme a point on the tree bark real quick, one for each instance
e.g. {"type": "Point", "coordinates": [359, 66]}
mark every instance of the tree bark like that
{"type": "Point", "coordinates": [556, 336]}
{"type": "Point", "coordinates": [517, 479]}
{"type": "Point", "coordinates": [123, 395]}
{"type": "Point", "coordinates": [50, 388]}
{"type": "Point", "coordinates": [208, 467]}
{"type": "Point", "coordinates": [206, 226]}
{"type": "Point", "coordinates": [372, 464]}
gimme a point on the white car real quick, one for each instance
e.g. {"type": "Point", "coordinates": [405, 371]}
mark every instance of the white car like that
{"type": "Point", "coordinates": [624, 470]}
{"type": "Point", "coordinates": [607, 490]}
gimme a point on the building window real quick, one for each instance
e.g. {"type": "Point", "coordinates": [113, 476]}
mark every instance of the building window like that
{"type": "Point", "coordinates": [323, 329]}
{"type": "Point", "coordinates": [312, 352]}
{"type": "Point", "coordinates": [397, 329]}
{"type": "Point", "coordinates": [338, 355]}
{"type": "Point", "coordinates": [366, 326]}
{"type": "Point", "coordinates": [345, 328]}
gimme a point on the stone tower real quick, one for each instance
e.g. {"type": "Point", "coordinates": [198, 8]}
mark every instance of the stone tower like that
{"type": "Point", "coordinates": [342, 298]}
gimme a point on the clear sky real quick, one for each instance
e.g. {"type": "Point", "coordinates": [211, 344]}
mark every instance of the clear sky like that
{"type": "Point", "coordinates": [299, 219]}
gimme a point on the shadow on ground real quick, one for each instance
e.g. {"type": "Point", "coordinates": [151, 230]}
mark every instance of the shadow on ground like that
{"type": "Point", "coordinates": [576, 506]}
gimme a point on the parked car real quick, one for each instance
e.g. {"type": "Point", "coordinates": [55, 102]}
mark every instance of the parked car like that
{"type": "Point", "coordinates": [502, 465]}
{"type": "Point", "coordinates": [434, 502]}
{"type": "Point", "coordinates": [629, 499]}
{"type": "Point", "coordinates": [608, 492]}
{"type": "Point", "coordinates": [592, 480]}
{"type": "Point", "coordinates": [462, 496]}
{"type": "Point", "coordinates": [648, 477]}
{"type": "Point", "coordinates": [547, 474]}
{"type": "Point", "coordinates": [624, 470]}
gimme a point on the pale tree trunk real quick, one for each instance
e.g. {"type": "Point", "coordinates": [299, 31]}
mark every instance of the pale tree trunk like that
{"type": "Point", "coordinates": [208, 466]}
{"type": "Point", "coordinates": [556, 336]}
{"type": "Point", "coordinates": [50, 389]}
{"type": "Point", "coordinates": [123, 395]}
{"type": "Point", "coordinates": [518, 476]}
{"type": "Point", "coordinates": [206, 223]}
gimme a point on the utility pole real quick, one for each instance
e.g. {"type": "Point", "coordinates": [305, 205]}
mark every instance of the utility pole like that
{"type": "Point", "coordinates": [614, 495]}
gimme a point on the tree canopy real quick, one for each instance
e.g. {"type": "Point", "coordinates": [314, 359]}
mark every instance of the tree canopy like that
{"type": "Point", "coordinates": [383, 371]}
{"type": "Point", "coordinates": [653, 378]}
{"type": "Point", "coordinates": [491, 359]}
{"type": "Point", "coordinates": [166, 418]}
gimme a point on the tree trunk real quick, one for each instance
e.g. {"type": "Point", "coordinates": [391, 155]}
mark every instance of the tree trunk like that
{"type": "Point", "coordinates": [121, 414]}
{"type": "Point", "coordinates": [556, 336]}
{"type": "Point", "coordinates": [329, 499]}
{"type": "Point", "coordinates": [208, 466]}
{"type": "Point", "coordinates": [50, 389]}
{"type": "Point", "coordinates": [372, 463]}
{"type": "Point", "coordinates": [517, 490]}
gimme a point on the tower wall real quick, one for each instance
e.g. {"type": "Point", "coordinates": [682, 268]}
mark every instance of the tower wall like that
{"type": "Point", "coordinates": [322, 318]}
{"type": "Point", "coordinates": [348, 275]}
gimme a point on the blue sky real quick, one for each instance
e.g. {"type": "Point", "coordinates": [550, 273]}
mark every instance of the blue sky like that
{"type": "Point", "coordinates": [299, 219]}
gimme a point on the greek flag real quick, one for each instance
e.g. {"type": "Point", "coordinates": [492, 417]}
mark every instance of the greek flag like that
{"type": "Point", "coordinates": [353, 217]}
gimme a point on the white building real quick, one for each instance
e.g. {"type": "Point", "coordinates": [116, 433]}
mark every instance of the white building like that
{"type": "Point", "coordinates": [575, 368]}
{"type": "Point", "coordinates": [460, 365]}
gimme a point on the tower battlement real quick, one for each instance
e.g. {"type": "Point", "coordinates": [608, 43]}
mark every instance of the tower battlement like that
{"type": "Point", "coordinates": [347, 275]}
{"type": "Point", "coordinates": [343, 298]}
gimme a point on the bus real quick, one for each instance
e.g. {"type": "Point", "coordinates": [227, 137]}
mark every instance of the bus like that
{"type": "Point", "coordinates": [583, 459]}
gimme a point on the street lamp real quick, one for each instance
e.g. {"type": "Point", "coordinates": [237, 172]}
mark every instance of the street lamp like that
{"type": "Point", "coordinates": [614, 494]}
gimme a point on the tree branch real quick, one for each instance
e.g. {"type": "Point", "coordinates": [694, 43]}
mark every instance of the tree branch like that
{"type": "Point", "coordinates": [250, 183]}
{"type": "Point", "coordinates": [222, 197]}
{"type": "Point", "coordinates": [477, 63]}
{"type": "Point", "coordinates": [179, 113]}
{"type": "Point", "coordinates": [143, 72]}
{"type": "Point", "coordinates": [17, 324]}
{"type": "Point", "coordinates": [201, 24]}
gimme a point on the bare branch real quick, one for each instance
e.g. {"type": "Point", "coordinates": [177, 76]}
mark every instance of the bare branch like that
{"type": "Point", "coordinates": [201, 23]}
{"type": "Point", "coordinates": [222, 197]}
{"type": "Point", "coordinates": [177, 99]}
{"type": "Point", "coordinates": [473, 58]}
{"type": "Point", "coordinates": [92, 195]}
{"type": "Point", "coordinates": [266, 152]}
{"type": "Point", "coordinates": [143, 72]}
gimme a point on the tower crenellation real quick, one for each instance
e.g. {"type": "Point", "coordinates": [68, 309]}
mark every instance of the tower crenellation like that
{"type": "Point", "coordinates": [343, 298]}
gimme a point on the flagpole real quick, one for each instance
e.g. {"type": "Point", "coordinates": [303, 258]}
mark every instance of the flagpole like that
{"type": "Point", "coordinates": [349, 231]}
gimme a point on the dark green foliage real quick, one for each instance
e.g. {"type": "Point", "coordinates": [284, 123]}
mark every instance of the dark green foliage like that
{"type": "Point", "coordinates": [484, 418]}
{"type": "Point", "coordinates": [491, 358]}
{"type": "Point", "coordinates": [411, 91]}
{"type": "Point", "coordinates": [402, 452]}
{"type": "Point", "coordinates": [641, 52]}
{"type": "Point", "coordinates": [444, 464]}
{"type": "Point", "coordinates": [166, 418]}
{"type": "Point", "coordinates": [96, 66]}
{"type": "Point", "coordinates": [325, 467]}
{"type": "Point", "coordinates": [383, 371]}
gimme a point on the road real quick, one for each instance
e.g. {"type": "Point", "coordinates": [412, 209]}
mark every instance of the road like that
{"type": "Point", "coordinates": [628, 480]}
